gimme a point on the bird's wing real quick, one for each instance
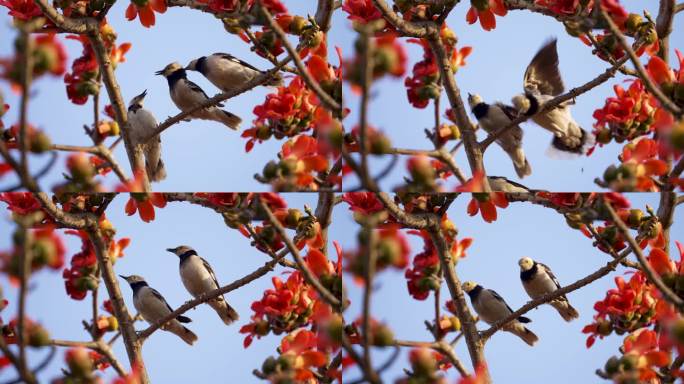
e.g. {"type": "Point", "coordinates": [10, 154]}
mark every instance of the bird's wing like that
{"type": "Point", "coordinates": [234, 59]}
{"type": "Point", "coordinates": [542, 73]}
{"type": "Point", "coordinates": [509, 111]}
{"type": "Point", "coordinates": [551, 275]}
{"type": "Point", "coordinates": [498, 297]}
{"type": "Point", "coordinates": [160, 298]}
{"type": "Point", "coordinates": [211, 271]}
{"type": "Point", "coordinates": [181, 318]}
{"type": "Point", "coordinates": [196, 88]}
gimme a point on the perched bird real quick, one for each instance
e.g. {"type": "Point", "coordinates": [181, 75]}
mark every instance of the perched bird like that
{"type": "Point", "coordinates": [492, 308]}
{"type": "Point", "coordinates": [538, 280]}
{"type": "Point", "coordinates": [187, 95]}
{"type": "Point", "coordinates": [199, 278]}
{"type": "Point", "coordinates": [227, 72]}
{"type": "Point", "coordinates": [492, 117]}
{"type": "Point", "coordinates": [153, 307]}
{"type": "Point", "coordinates": [143, 125]}
{"type": "Point", "coordinates": [542, 82]}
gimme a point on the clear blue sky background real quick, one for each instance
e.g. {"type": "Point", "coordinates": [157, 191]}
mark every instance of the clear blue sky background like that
{"type": "Point", "coordinates": [199, 155]}
{"type": "Point", "coordinates": [495, 70]}
{"type": "Point", "coordinates": [521, 230]}
{"type": "Point", "coordinates": [218, 356]}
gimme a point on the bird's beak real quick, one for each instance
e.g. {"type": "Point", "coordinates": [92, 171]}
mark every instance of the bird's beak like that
{"type": "Point", "coordinates": [142, 95]}
{"type": "Point", "coordinates": [470, 96]}
{"type": "Point", "coordinates": [172, 250]}
{"type": "Point", "coordinates": [159, 72]}
{"type": "Point", "coordinates": [124, 277]}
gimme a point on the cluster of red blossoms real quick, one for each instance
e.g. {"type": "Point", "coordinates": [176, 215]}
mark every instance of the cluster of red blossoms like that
{"type": "Point", "coordinates": [48, 56]}
{"type": "Point", "coordinates": [82, 80]}
{"type": "Point", "coordinates": [423, 85]}
{"type": "Point", "coordinates": [290, 305]}
{"type": "Point", "coordinates": [392, 249]}
{"type": "Point", "coordinates": [425, 275]}
{"type": "Point", "coordinates": [300, 354]}
{"type": "Point", "coordinates": [388, 58]}
{"type": "Point", "coordinates": [640, 165]}
{"type": "Point", "coordinates": [635, 112]}
{"type": "Point", "coordinates": [426, 365]}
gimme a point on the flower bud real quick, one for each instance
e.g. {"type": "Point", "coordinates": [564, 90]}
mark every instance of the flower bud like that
{"type": "Point", "coordinates": [79, 362]}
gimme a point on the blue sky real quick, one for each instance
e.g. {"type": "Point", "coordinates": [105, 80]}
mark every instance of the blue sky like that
{"type": "Point", "coordinates": [495, 70]}
{"type": "Point", "coordinates": [521, 230]}
{"type": "Point", "coordinates": [219, 352]}
{"type": "Point", "coordinates": [199, 155]}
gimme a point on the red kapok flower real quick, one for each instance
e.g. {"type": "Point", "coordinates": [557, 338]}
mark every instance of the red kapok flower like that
{"type": "Point", "coordinates": [145, 9]}
{"type": "Point", "coordinates": [144, 203]}
{"type": "Point", "coordinates": [361, 10]}
{"type": "Point", "coordinates": [484, 10]}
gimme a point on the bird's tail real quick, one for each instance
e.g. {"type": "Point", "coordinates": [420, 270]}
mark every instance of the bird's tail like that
{"type": "Point", "coordinates": [228, 119]}
{"type": "Point", "coordinates": [225, 311]}
{"type": "Point", "coordinates": [181, 331]}
{"type": "Point", "coordinates": [153, 162]}
{"type": "Point", "coordinates": [522, 332]}
{"type": "Point", "coordinates": [522, 166]}
{"type": "Point", "coordinates": [157, 173]}
{"type": "Point", "coordinates": [567, 312]}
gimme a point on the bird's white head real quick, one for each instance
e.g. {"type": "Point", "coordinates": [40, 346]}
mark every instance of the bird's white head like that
{"type": "Point", "coordinates": [192, 66]}
{"type": "Point", "coordinates": [132, 279]}
{"type": "Point", "coordinates": [521, 103]}
{"type": "Point", "coordinates": [179, 250]}
{"type": "Point", "coordinates": [469, 286]}
{"type": "Point", "coordinates": [525, 264]}
{"type": "Point", "coordinates": [138, 100]}
{"type": "Point", "coordinates": [474, 99]}
{"type": "Point", "coordinates": [169, 69]}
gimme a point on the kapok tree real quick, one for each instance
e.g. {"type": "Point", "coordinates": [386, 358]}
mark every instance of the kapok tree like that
{"type": "Point", "coordinates": [645, 114]}
{"type": "Point", "coordinates": [301, 309]}
{"type": "Point", "coordinates": [645, 308]}
{"type": "Point", "coordinates": [305, 112]}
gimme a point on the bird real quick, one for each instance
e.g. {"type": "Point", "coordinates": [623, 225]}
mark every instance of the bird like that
{"type": "Point", "coordinates": [542, 82]}
{"type": "Point", "coordinates": [227, 72]}
{"type": "Point", "coordinates": [502, 184]}
{"type": "Point", "coordinates": [153, 307]}
{"type": "Point", "coordinates": [491, 308]}
{"type": "Point", "coordinates": [187, 95]}
{"type": "Point", "coordinates": [199, 278]}
{"type": "Point", "coordinates": [491, 118]}
{"type": "Point", "coordinates": [538, 280]}
{"type": "Point", "coordinates": [143, 124]}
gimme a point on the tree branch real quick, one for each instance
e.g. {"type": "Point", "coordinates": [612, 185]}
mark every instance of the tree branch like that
{"type": "Point", "coordinates": [643, 75]}
{"type": "Point", "coordinates": [645, 265]}
{"type": "Point", "coordinates": [312, 84]}
{"type": "Point", "coordinates": [310, 278]}
{"type": "Point", "coordinates": [131, 341]}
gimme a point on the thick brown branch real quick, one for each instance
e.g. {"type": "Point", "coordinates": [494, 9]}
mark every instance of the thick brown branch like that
{"type": "Point", "coordinates": [135, 154]}
{"type": "Point", "coordinates": [131, 341]}
{"type": "Point", "coordinates": [472, 148]}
